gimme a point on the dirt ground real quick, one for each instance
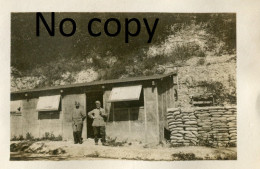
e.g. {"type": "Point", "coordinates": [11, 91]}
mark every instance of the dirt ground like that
{"type": "Point", "coordinates": [66, 150]}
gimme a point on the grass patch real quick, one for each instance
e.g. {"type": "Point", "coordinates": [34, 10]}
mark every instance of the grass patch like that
{"type": "Point", "coordinates": [113, 143]}
{"type": "Point", "coordinates": [57, 151]}
{"type": "Point", "coordinates": [191, 156]}
{"type": "Point", "coordinates": [29, 137]}
{"type": "Point", "coordinates": [17, 138]}
{"type": "Point", "coordinates": [226, 157]}
{"type": "Point", "coordinates": [96, 154]}
{"type": "Point", "coordinates": [185, 157]}
{"type": "Point", "coordinates": [51, 136]}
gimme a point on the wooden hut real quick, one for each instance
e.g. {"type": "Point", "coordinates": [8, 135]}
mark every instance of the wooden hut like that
{"type": "Point", "coordinates": [136, 107]}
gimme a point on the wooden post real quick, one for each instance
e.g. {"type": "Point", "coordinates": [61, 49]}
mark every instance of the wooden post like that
{"type": "Point", "coordinates": [145, 118]}
{"type": "Point", "coordinates": [61, 113]}
{"type": "Point", "coordinates": [157, 113]}
{"type": "Point", "coordinates": [86, 119]}
{"type": "Point", "coordinates": [113, 114]}
{"type": "Point", "coordinates": [129, 122]}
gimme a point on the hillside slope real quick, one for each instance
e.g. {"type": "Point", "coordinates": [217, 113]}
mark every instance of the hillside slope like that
{"type": "Point", "coordinates": [191, 78]}
{"type": "Point", "coordinates": [201, 46]}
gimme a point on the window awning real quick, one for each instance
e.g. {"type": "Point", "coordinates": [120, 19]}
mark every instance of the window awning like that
{"type": "Point", "coordinates": [15, 106]}
{"type": "Point", "coordinates": [126, 93]}
{"type": "Point", "coordinates": [48, 103]}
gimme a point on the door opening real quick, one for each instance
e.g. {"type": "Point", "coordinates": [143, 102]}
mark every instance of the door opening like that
{"type": "Point", "coordinates": [91, 98]}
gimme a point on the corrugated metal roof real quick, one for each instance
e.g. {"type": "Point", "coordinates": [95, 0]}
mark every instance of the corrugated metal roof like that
{"type": "Point", "coordinates": [103, 82]}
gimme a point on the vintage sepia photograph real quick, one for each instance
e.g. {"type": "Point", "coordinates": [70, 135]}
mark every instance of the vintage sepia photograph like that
{"type": "Point", "coordinates": [123, 86]}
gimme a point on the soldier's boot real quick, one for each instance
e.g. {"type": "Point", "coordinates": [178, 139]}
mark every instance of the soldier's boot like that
{"type": "Point", "coordinates": [103, 136]}
{"type": "Point", "coordinates": [79, 137]}
{"type": "Point", "coordinates": [96, 139]}
{"type": "Point", "coordinates": [103, 140]}
{"type": "Point", "coordinates": [75, 137]}
{"type": "Point", "coordinates": [104, 143]}
{"type": "Point", "coordinates": [95, 130]}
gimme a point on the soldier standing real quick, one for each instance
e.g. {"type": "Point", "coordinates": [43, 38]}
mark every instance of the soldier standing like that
{"type": "Point", "coordinates": [98, 115]}
{"type": "Point", "coordinates": [78, 117]}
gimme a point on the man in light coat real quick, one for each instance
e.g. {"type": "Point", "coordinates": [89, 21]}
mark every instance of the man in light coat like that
{"type": "Point", "coordinates": [99, 125]}
{"type": "Point", "coordinates": [78, 117]}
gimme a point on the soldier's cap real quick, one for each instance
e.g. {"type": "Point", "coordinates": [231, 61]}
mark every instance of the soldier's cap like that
{"type": "Point", "coordinates": [97, 102]}
{"type": "Point", "coordinates": [76, 103]}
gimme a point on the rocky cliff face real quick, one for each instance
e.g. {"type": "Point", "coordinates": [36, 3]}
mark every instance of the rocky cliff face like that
{"type": "Point", "coordinates": [216, 75]}
{"type": "Point", "coordinates": [31, 82]}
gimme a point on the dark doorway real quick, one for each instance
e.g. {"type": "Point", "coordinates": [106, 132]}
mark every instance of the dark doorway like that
{"type": "Point", "coordinates": [91, 98]}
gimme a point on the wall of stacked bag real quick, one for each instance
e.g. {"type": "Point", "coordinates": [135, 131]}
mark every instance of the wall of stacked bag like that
{"type": "Point", "coordinates": [207, 126]}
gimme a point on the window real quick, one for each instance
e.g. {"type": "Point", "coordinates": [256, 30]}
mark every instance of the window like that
{"type": "Point", "coordinates": [134, 114]}
{"type": "Point", "coordinates": [121, 115]}
{"type": "Point", "coordinates": [129, 104]}
{"type": "Point", "coordinates": [48, 103]}
{"type": "Point", "coordinates": [15, 108]}
{"type": "Point", "coordinates": [130, 110]}
{"type": "Point", "coordinates": [126, 93]}
{"type": "Point", "coordinates": [42, 115]}
{"type": "Point", "coordinates": [48, 107]}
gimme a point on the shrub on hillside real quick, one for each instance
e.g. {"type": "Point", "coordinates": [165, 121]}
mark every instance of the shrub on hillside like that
{"type": "Point", "coordinates": [201, 61]}
{"type": "Point", "coordinates": [221, 94]}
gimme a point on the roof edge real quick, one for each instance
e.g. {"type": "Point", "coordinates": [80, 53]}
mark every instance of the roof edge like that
{"type": "Point", "coordinates": [102, 82]}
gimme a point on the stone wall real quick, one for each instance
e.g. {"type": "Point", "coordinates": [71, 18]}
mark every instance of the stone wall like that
{"type": "Point", "coordinates": [212, 126]}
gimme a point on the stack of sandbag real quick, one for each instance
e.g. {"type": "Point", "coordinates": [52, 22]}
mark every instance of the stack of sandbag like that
{"type": "Point", "coordinates": [219, 124]}
{"type": "Point", "coordinates": [232, 125]}
{"type": "Point", "coordinates": [204, 122]}
{"type": "Point", "coordinates": [183, 127]}
{"type": "Point", "coordinates": [190, 126]}
{"type": "Point", "coordinates": [213, 125]}
{"type": "Point", "coordinates": [175, 124]}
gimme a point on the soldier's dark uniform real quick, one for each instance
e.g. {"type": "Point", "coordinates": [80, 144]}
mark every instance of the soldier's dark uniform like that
{"type": "Point", "coordinates": [78, 117]}
{"type": "Point", "coordinates": [98, 115]}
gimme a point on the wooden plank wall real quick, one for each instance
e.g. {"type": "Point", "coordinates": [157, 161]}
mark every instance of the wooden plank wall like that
{"type": "Point", "coordinates": [151, 115]}
{"type": "Point", "coordinates": [166, 100]}
{"type": "Point", "coordinates": [29, 121]}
